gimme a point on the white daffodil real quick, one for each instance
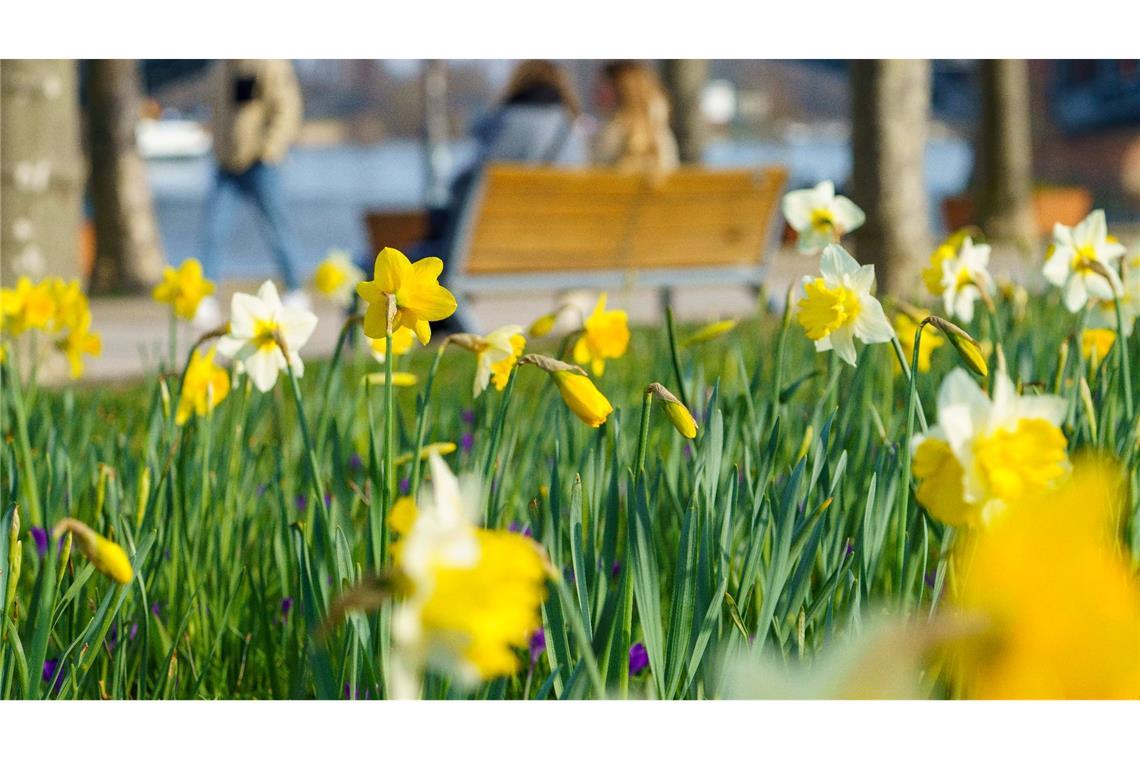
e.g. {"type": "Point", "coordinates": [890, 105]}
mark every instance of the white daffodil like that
{"type": "Point", "coordinates": [820, 217]}
{"type": "Point", "coordinates": [963, 277]}
{"type": "Point", "coordinates": [986, 453]}
{"type": "Point", "coordinates": [256, 323]}
{"type": "Point", "coordinates": [838, 306]}
{"type": "Point", "coordinates": [1104, 315]}
{"type": "Point", "coordinates": [337, 277]}
{"type": "Point", "coordinates": [1070, 265]}
{"type": "Point", "coordinates": [498, 353]}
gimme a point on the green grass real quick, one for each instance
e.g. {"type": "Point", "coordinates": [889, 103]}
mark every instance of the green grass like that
{"type": "Point", "coordinates": [722, 549]}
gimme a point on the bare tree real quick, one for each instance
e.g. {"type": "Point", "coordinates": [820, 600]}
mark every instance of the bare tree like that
{"type": "Point", "coordinates": [1003, 175]}
{"type": "Point", "coordinates": [41, 171]}
{"type": "Point", "coordinates": [890, 109]}
{"type": "Point", "coordinates": [128, 251]}
{"type": "Point", "coordinates": [685, 79]}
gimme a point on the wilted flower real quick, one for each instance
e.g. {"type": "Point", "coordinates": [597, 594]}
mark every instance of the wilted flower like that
{"type": "Point", "coordinates": [838, 306]}
{"type": "Point", "coordinates": [419, 297]}
{"type": "Point", "coordinates": [820, 217]}
{"type": "Point", "coordinates": [336, 277]}
{"type": "Point", "coordinates": [1076, 254]}
{"type": "Point", "coordinates": [984, 454]}
{"type": "Point", "coordinates": [183, 288]}
{"type": "Point", "coordinates": [258, 326]}
{"type": "Point", "coordinates": [605, 336]}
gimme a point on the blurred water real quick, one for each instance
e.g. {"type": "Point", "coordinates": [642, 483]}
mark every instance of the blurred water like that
{"type": "Point", "coordinates": [330, 188]}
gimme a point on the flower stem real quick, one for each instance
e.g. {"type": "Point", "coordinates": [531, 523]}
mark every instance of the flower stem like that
{"type": "Point", "coordinates": [901, 356]}
{"type": "Point", "coordinates": [673, 352]}
{"type": "Point", "coordinates": [781, 342]}
{"type": "Point", "coordinates": [904, 486]}
{"type": "Point", "coordinates": [1122, 352]}
{"type": "Point", "coordinates": [330, 373]}
{"type": "Point", "coordinates": [421, 422]}
{"type": "Point", "coordinates": [389, 441]}
{"type": "Point", "coordinates": [31, 488]}
{"type": "Point", "coordinates": [646, 404]}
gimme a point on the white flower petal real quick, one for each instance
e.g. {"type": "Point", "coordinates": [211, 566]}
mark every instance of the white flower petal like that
{"type": "Point", "coordinates": [296, 326]}
{"type": "Point", "coordinates": [797, 207]}
{"type": "Point", "coordinates": [843, 344]}
{"type": "Point", "coordinates": [267, 293]}
{"type": "Point", "coordinates": [848, 216]}
{"type": "Point", "coordinates": [262, 368]}
{"type": "Point", "coordinates": [1076, 295]}
{"type": "Point", "coordinates": [1056, 269]}
{"type": "Point", "coordinates": [871, 325]}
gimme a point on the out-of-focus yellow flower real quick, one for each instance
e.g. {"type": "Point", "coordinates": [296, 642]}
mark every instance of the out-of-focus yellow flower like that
{"type": "Point", "coordinates": [399, 379]}
{"type": "Point", "coordinates": [838, 306]}
{"type": "Point", "coordinates": [678, 414]}
{"type": "Point", "coordinates": [583, 397]}
{"type": "Point", "coordinates": [183, 288]}
{"type": "Point", "coordinates": [402, 339]}
{"type": "Point", "coordinates": [474, 594]}
{"type": "Point", "coordinates": [402, 516]}
{"type": "Point", "coordinates": [906, 327]}
{"type": "Point", "coordinates": [1096, 342]}
{"type": "Point", "coordinates": [420, 298]}
{"type": "Point", "coordinates": [79, 340]}
{"type": "Point", "coordinates": [1061, 608]}
{"type": "Point", "coordinates": [543, 325]}
{"type": "Point", "coordinates": [972, 353]}
{"type": "Point", "coordinates": [27, 306]}
{"type": "Point", "coordinates": [439, 448]}
{"type": "Point", "coordinates": [606, 336]}
{"type": "Point", "coordinates": [965, 279]}
{"type": "Point", "coordinates": [946, 251]}
{"type": "Point", "coordinates": [711, 332]}
{"type": "Point", "coordinates": [985, 454]}
{"type": "Point", "coordinates": [336, 277]}
{"type": "Point", "coordinates": [107, 556]}
{"type": "Point", "coordinates": [205, 386]}
{"type": "Point", "coordinates": [70, 303]}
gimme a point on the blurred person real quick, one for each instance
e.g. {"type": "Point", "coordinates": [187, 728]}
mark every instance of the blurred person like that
{"type": "Point", "coordinates": [637, 137]}
{"type": "Point", "coordinates": [256, 115]}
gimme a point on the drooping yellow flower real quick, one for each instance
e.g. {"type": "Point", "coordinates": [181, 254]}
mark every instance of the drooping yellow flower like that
{"type": "Point", "coordinates": [474, 594]}
{"type": "Point", "coordinates": [906, 327]}
{"type": "Point", "coordinates": [402, 339]}
{"type": "Point", "coordinates": [1060, 609]}
{"type": "Point", "coordinates": [838, 306]}
{"type": "Point", "coordinates": [1096, 342]}
{"type": "Point", "coordinates": [27, 306]}
{"type": "Point", "coordinates": [420, 298]}
{"type": "Point", "coordinates": [107, 556]}
{"type": "Point", "coordinates": [205, 386]}
{"type": "Point", "coordinates": [183, 288]}
{"type": "Point", "coordinates": [605, 336]}
{"type": "Point", "coordinates": [336, 277]}
{"type": "Point", "coordinates": [583, 397]}
{"type": "Point", "coordinates": [985, 454]}
{"type": "Point", "coordinates": [79, 340]}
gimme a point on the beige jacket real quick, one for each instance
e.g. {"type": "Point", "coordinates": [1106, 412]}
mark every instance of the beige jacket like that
{"type": "Point", "coordinates": [256, 111]}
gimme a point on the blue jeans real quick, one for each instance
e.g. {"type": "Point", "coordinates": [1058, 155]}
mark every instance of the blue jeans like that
{"type": "Point", "coordinates": [261, 184]}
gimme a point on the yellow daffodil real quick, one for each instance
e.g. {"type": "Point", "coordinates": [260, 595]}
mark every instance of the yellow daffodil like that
{"type": "Point", "coordinates": [838, 306]}
{"type": "Point", "coordinates": [964, 277]}
{"type": "Point", "coordinates": [1096, 342]}
{"type": "Point", "coordinates": [79, 340]}
{"type": "Point", "coordinates": [402, 516]}
{"type": "Point", "coordinates": [984, 454]}
{"type": "Point", "coordinates": [419, 297]}
{"type": "Point", "coordinates": [820, 217]}
{"type": "Point", "coordinates": [946, 251]}
{"type": "Point", "coordinates": [256, 324]}
{"type": "Point", "coordinates": [583, 397]}
{"type": "Point", "coordinates": [711, 331]}
{"type": "Point", "coordinates": [183, 288]}
{"type": "Point", "coordinates": [906, 326]}
{"type": "Point", "coordinates": [605, 336]}
{"type": "Point", "coordinates": [70, 303]}
{"type": "Point", "coordinates": [28, 306]}
{"type": "Point", "coordinates": [337, 277]}
{"type": "Point", "coordinates": [1075, 254]}
{"type": "Point", "coordinates": [205, 386]}
{"type": "Point", "coordinates": [474, 595]}
{"type": "Point", "coordinates": [402, 340]}
{"type": "Point", "coordinates": [1059, 606]}
{"type": "Point", "coordinates": [543, 325]}
{"type": "Point", "coordinates": [496, 354]}
{"type": "Point", "coordinates": [107, 556]}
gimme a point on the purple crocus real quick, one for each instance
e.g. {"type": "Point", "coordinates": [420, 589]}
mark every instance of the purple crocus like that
{"type": "Point", "coordinates": [405, 486]}
{"type": "Point", "coordinates": [537, 645]}
{"type": "Point", "coordinates": [53, 674]}
{"type": "Point", "coordinates": [156, 610]}
{"type": "Point", "coordinates": [355, 463]}
{"type": "Point", "coordinates": [302, 502]}
{"type": "Point", "coordinates": [849, 549]}
{"type": "Point", "coordinates": [638, 658]}
{"type": "Point", "coordinates": [328, 499]}
{"type": "Point", "coordinates": [468, 416]}
{"type": "Point", "coordinates": [40, 537]}
{"type": "Point", "coordinates": [516, 527]}
{"type": "Point", "coordinates": [467, 442]}
{"type": "Point", "coordinates": [286, 606]}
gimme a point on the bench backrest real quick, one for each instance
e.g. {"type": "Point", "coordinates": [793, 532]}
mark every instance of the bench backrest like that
{"type": "Point", "coordinates": [525, 219]}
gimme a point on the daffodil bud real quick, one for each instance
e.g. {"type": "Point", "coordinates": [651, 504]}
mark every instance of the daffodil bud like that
{"type": "Point", "coordinates": [583, 397]}
{"type": "Point", "coordinates": [15, 561]}
{"type": "Point", "coordinates": [143, 497]}
{"type": "Point", "coordinates": [472, 343]}
{"type": "Point", "coordinates": [677, 412]}
{"type": "Point", "coordinates": [805, 445]}
{"type": "Point", "coordinates": [968, 349]}
{"type": "Point", "coordinates": [442, 448]}
{"type": "Point", "coordinates": [711, 332]}
{"type": "Point", "coordinates": [64, 555]}
{"type": "Point", "coordinates": [543, 325]}
{"type": "Point", "coordinates": [107, 556]}
{"type": "Point", "coordinates": [399, 379]}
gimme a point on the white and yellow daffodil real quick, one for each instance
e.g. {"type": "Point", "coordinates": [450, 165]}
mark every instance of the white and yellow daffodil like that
{"type": "Point", "coordinates": [1072, 263]}
{"type": "Point", "coordinates": [336, 277]}
{"type": "Point", "coordinates": [257, 323]}
{"type": "Point", "coordinates": [1104, 312]}
{"type": "Point", "coordinates": [820, 217]}
{"type": "Point", "coordinates": [987, 453]}
{"type": "Point", "coordinates": [964, 277]}
{"type": "Point", "coordinates": [838, 306]}
{"type": "Point", "coordinates": [498, 353]}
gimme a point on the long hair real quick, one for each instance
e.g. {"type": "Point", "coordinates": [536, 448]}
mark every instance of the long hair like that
{"type": "Point", "coordinates": [642, 107]}
{"type": "Point", "coordinates": [537, 82]}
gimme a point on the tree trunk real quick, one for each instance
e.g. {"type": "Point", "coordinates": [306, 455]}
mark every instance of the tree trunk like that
{"type": "Point", "coordinates": [1003, 177]}
{"type": "Point", "coordinates": [437, 154]}
{"type": "Point", "coordinates": [684, 80]}
{"type": "Point", "coordinates": [890, 108]}
{"type": "Point", "coordinates": [41, 172]}
{"type": "Point", "coordinates": [128, 251]}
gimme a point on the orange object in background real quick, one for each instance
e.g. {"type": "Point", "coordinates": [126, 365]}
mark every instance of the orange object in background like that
{"type": "Point", "coordinates": [86, 249]}
{"type": "Point", "coordinates": [1067, 205]}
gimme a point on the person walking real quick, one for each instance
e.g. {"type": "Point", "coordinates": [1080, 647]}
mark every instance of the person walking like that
{"type": "Point", "coordinates": [256, 113]}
